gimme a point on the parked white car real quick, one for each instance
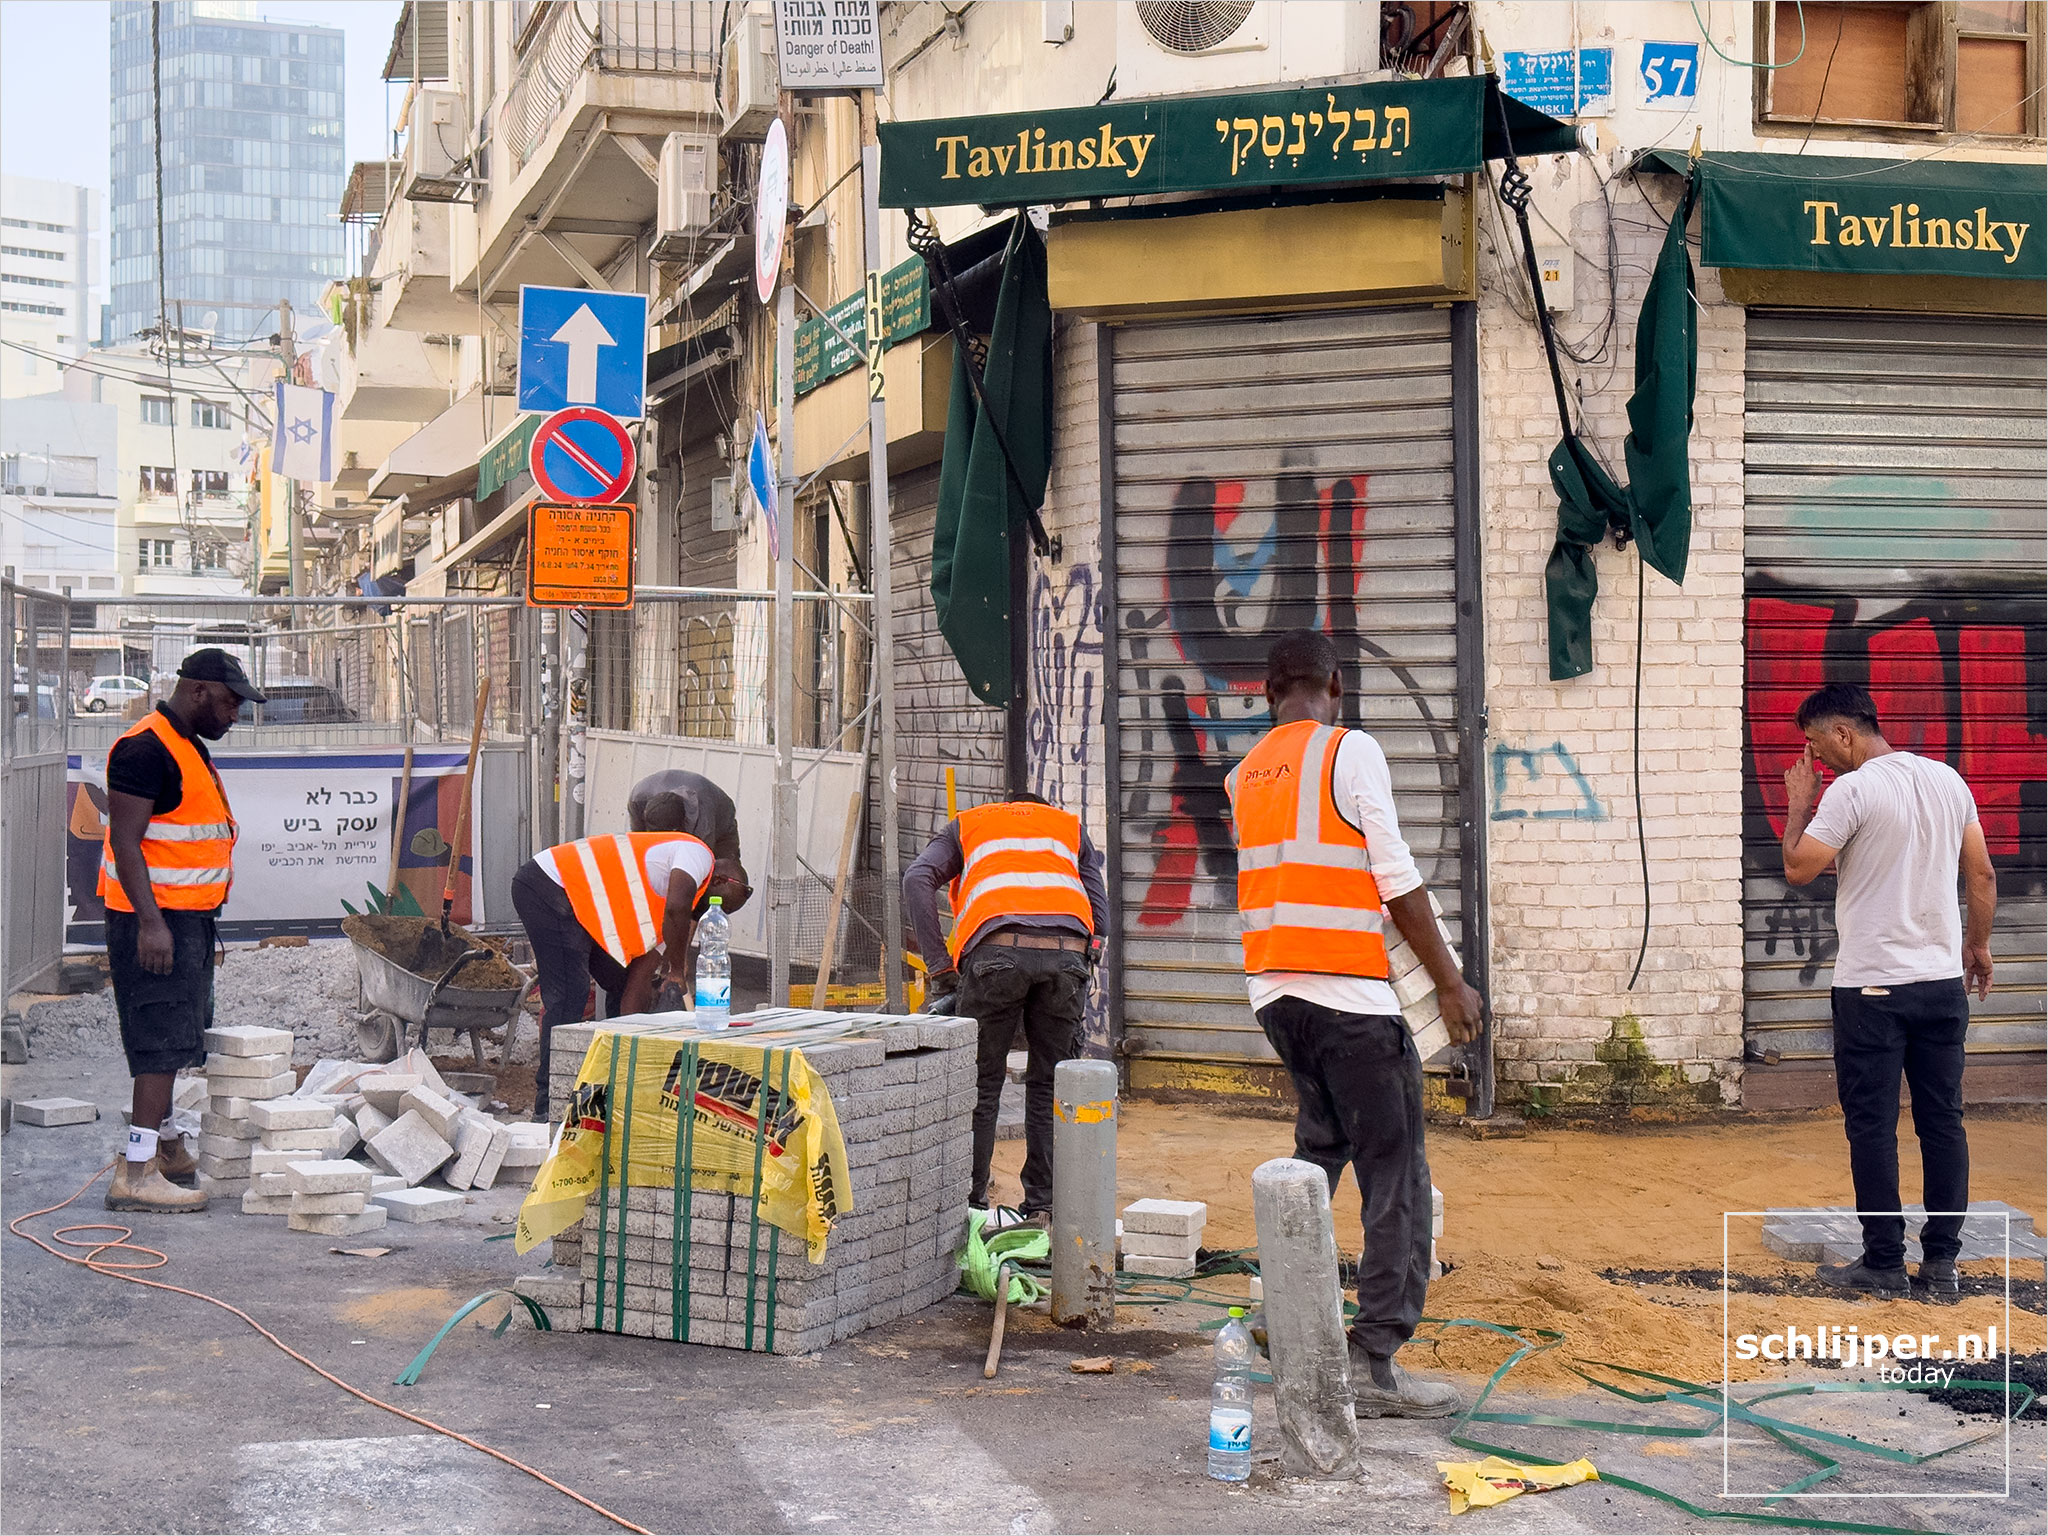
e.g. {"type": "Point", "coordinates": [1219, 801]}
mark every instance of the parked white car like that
{"type": "Point", "coordinates": [112, 692]}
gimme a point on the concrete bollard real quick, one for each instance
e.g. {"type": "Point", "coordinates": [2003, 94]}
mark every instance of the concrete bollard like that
{"type": "Point", "coordinates": [1084, 1193]}
{"type": "Point", "coordinates": [1305, 1319]}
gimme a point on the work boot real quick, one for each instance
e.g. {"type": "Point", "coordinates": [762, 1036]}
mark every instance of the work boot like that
{"type": "Point", "coordinates": [1937, 1281]}
{"type": "Point", "coordinates": [1380, 1389]}
{"type": "Point", "coordinates": [142, 1187]}
{"type": "Point", "coordinates": [177, 1164]}
{"type": "Point", "coordinates": [1859, 1276]}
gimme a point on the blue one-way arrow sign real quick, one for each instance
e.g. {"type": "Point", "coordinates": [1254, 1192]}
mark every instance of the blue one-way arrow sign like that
{"type": "Point", "coordinates": [580, 346]}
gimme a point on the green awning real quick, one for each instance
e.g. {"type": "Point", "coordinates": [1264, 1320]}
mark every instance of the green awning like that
{"type": "Point", "coordinates": [1391, 130]}
{"type": "Point", "coordinates": [1830, 213]}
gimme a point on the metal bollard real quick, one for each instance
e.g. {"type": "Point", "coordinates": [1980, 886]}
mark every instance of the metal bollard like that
{"type": "Point", "coordinates": [1084, 1193]}
{"type": "Point", "coordinates": [1305, 1319]}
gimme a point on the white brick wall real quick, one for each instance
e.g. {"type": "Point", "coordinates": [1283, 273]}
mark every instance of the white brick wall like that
{"type": "Point", "coordinates": [1066, 724]}
{"type": "Point", "coordinates": [1566, 894]}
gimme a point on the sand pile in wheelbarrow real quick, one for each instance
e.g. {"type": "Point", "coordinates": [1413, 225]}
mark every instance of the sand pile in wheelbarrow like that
{"type": "Point", "coordinates": [417, 944]}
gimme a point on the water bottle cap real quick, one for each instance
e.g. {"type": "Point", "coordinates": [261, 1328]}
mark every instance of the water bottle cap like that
{"type": "Point", "coordinates": [1237, 1311]}
{"type": "Point", "coordinates": [718, 901]}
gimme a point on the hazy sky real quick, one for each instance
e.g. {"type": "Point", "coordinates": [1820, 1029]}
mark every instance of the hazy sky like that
{"type": "Point", "coordinates": [53, 82]}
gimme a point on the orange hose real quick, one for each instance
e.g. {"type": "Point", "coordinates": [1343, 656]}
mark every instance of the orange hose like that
{"type": "Point", "coordinates": [157, 1259]}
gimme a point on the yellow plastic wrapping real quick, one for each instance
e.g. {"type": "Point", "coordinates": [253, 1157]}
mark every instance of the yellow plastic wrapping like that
{"type": "Point", "coordinates": [1480, 1484]}
{"type": "Point", "coordinates": [799, 1152]}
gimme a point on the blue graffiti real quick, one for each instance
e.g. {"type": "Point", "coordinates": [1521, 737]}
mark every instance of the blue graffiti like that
{"type": "Point", "coordinates": [1552, 763]}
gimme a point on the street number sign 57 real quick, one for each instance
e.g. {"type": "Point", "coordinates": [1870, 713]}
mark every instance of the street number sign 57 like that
{"type": "Point", "coordinates": [1670, 75]}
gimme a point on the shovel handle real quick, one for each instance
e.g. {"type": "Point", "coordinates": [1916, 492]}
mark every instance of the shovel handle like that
{"type": "Point", "coordinates": [476, 732]}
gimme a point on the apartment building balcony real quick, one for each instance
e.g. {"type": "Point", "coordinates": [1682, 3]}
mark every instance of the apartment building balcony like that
{"type": "Point", "coordinates": [391, 374]}
{"type": "Point", "coordinates": [575, 139]}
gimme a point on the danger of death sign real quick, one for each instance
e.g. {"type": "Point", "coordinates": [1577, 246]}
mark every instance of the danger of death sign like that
{"type": "Point", "coordinates": [579, 555]}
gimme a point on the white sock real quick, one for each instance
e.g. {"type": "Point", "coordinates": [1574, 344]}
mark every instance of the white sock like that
{"type": "Point", "coordinates": [141, 1144]}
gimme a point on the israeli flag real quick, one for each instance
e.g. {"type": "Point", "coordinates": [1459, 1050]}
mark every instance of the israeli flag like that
{"type": "Point", "coordinates": [302, 447]}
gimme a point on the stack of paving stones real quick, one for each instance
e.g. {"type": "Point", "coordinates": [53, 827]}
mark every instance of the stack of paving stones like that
{"type": "Point", "coordinates": [903, 1091]}
{"type": "Point", "coordinates": [245, 1066]}
{"type": "Point", "coordinates": [1832, 1234]}
{"type": "Point", "coordinates": [1161, 1237]}
{"type": "Point", "coordinates": [402, 1117]}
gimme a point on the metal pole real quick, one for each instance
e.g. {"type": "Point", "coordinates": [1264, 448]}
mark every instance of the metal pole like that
{"type": "Point", "coordinates": [883, 546]}
{"type": "Point", "coordinates": [287, 352]}
{"type": "Point", "coordinates": [1084, 1192]}
{"type": "Point", "coordinates": [575, 718]}
{"type": "Point", "coordinates": [782, 912]}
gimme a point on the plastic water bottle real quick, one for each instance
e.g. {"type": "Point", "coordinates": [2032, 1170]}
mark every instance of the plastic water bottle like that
{"type": "Point", "coordinates": [1230, 1402]}
{"type": "Point", "coordinates": [714, 968]}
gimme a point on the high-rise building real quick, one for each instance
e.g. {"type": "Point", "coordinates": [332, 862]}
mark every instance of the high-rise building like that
{"type": "Point", "coordinates": [252, 165]}
{"type": "Point", "coordinates": [49, 280]}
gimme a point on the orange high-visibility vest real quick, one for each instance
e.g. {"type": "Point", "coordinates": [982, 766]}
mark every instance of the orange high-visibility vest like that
{"type": "Point", "coordinates": [1019, 859]}
{"type": "Point", "coordinates": [1305, 888]}
{"type": "Point", "coordinates": [606, 881]}
{"type": "Point", "coordinates": [190, 852]}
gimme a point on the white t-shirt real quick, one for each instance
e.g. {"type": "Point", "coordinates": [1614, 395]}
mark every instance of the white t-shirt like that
{"type": "Point", "coordinates": [1364, 792]}
{"type": "Point", "coordinates": [1897, 825]}
{"type": "Point", "coordinates": [663, 860]}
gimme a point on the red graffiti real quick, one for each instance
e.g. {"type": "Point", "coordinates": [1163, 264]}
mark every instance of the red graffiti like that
{"type": "Point", "coordinates": [1905, 680]}
{"type": "Point", "coordinates": [1999, 753]}
{"type": "Point", "coordinates": [1787, 661]}
{"type": "Point", "coordinates": [1173, 871]}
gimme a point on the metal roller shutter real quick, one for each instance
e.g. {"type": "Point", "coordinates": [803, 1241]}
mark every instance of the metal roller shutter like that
{"type": "Point", "coordinates": [1271, 473]}
{"type": "Point", "coordinates": [939, 724]}
{"type": "Point", "coordinates": [1894, 476]}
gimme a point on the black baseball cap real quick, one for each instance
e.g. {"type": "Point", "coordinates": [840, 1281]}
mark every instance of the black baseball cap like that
{"type": "Point", "coordinates": [214, 665]}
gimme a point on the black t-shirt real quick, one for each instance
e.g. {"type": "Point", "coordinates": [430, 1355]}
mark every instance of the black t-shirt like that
{"type": "Point", "coordinates": [713, 819]}
{"type": "Point", "coordinates": [142, 766]}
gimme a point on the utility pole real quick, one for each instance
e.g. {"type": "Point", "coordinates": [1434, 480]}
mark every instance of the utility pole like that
{"type": "Point", "coordinates": [882, 549]}
{"type": "Point", "coordinates": [287, 353]}
{"type": "Point", "coordinates": [782, 885]}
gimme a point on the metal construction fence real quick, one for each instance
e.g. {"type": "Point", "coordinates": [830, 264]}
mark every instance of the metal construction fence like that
{"type": "Point", "coordinates": [700, 663]}
{"type": "Point", "coordinates": [33, 755]}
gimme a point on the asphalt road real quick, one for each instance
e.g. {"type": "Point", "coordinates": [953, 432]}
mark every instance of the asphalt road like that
{"type": "Point", "coordinates": [125, 1409]}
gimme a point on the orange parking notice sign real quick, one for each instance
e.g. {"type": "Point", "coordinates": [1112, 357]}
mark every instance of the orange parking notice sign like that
{"type": "Point", "coordinates": [579, 555]}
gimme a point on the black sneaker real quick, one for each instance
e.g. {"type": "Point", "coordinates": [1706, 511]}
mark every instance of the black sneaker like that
{"type": "Point", "coordinates": [1936, 1280]}
{"type": "Point", "coordinates": [1861, 1277]}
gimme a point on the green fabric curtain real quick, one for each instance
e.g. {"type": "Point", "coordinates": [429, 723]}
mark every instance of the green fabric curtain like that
{"type": "Point", "coordinates": [985, 502]}
{"type": "Point", "coordinates": [1656, 509]}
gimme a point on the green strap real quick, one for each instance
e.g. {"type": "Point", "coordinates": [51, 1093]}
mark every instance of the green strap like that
{"type": "Point", "coordinates": [679, 1218]}
{"type": "Point", "coordinates": [604, 1178]}
{"type": "Point", "coordinates": [410, 1376]}
{"type": "Point", "coordinates": [775, 1238]}
{"type": "Point", "coordinates": [754, 1206]}
{"type": "Point", "coordinates": [625, 1180]}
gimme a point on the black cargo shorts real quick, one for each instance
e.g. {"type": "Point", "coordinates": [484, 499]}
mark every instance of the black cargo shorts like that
{"type": "Point", "coordinates": [164, 1019]}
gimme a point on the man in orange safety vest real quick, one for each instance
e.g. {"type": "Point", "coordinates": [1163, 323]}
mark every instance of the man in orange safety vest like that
{"type": "Point", "coordinates": [1028, 905]}
{"type": "Point", "coordinates": [165, 869]}
{"type": "Point", "coordinates": [1321, 866]}
{"type": "Point", "coordinates": [618, 908]}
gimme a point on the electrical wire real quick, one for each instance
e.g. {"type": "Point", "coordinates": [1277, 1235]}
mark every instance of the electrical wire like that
{"type": "Point", "coordinates": [154, 1258]}
{"type": "Point", "coordinates": [1707, 33]}
{"type": "Point", "coordinates": [1820, 100]}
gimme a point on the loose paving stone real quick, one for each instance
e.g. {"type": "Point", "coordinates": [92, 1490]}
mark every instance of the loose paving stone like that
{"type": "Point", "coordinates": [409, 1148]}
{"type": "Point", "coordinates": [370, 1220]}
{"type": "Point", "coordinates": [56, 1111]}
{"type": "Point", "coordinates": [320, 1177]}
{"type": "Point", "coordinates": [291, 1114]}
{"type": "Point", "coordinates": [420, 1204]}
{"type": "Point", "coordinates": [249, 1040]}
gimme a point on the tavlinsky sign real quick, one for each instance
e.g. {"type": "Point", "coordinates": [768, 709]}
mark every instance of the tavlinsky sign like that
{"type": "Point", "coordinates": [1404, 129]}
{"type": "Point", "coordinates": [1815, 213]}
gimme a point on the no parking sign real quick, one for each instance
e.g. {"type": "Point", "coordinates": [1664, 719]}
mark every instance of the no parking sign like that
{"type": "Point", "coordinates": [582, 454]}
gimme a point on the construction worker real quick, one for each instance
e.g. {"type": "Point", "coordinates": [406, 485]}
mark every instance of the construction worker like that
{"type": "Point", "coordinates": [1321, 864]}
{"type": "Point", "coordinates": [165, 869]}
{"type": "Point", "coordinates": [617, 908]}
{"type": "Point", "coordinates": [1028, 902]}
{"type": "Point", "coordinates": [710, 818]}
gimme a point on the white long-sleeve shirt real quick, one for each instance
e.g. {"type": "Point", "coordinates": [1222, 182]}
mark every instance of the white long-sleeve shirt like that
{"type": "Point", "coordinates": [1364, 792]}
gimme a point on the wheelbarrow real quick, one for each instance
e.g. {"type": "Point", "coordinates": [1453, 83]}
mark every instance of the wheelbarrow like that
{"type": "Point", "coordinates": [395, 997]}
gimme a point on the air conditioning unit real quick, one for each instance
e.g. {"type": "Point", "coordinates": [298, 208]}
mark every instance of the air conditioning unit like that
{"type": "Point", "coordinates": [748, 76]}
{"type": "Point", "coordinates": [1177, 47]}
{"type": "Point", "coordinates": [683, 194]}
{"type": "Point", "coordinates": [439, 165]}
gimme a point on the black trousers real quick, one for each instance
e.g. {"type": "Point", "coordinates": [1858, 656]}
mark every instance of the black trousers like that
{"type": "Point", "coordinates": [164, 1019]}
{"type": "Point", "coordinates": [1360, 1086]}
{"type": "Point", "coordinates": [1916, 1028]}
{"type": "Point", "coordinates": [1044, 991]}
{"type": "Point", "coordinates": [565, 958]}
